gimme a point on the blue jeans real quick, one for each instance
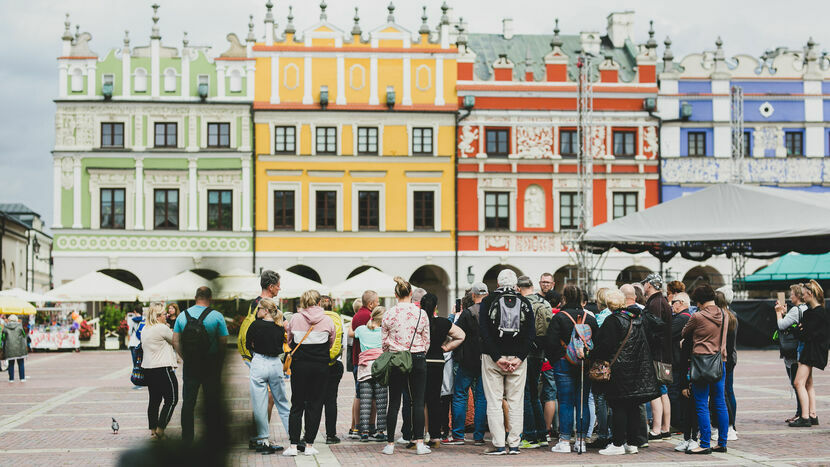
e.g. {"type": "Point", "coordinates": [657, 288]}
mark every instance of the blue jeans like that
{"type": "Point", "coordinates": [568, 388]}
{"type": "Point", "coordinates": [267, 372]}
{"type": "Point", "coordinates": [534, 421]}
{"type": "Point", "coordinates": [464, 380]}
{"type": "Point", "coordinates": [701, 393]}
{"type": "Point", "coordinates": [20, 367]}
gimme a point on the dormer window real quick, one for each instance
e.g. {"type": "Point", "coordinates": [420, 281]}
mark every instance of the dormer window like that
{"type": "Point", "coordinates": [140, 80]}
{"type": "Point", "coordinates": [77, 80]}
{"type": "Point", "coordinates": [169, 80]}
{"type": "Point", "coordinates": [235, 82]}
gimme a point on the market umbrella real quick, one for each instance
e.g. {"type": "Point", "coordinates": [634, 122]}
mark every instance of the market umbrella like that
{"type": "Point", "coordinates": [182, 286]}
{"type": "Point", "coordinates": [93, 287]}
{"type": "Point", "coordinates": [370, 279]}
{"type": "Point", "coordinates": [24, 295]}
{"type": "Point", "coordinates": [242, 284]}
{"type": "Point", "coordinates": [14, 306]}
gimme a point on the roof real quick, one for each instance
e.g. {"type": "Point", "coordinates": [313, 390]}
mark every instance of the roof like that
{"type": "Point", "coordinates": [794, 266]}
{"type": "Point", "coordinates": [487, 48]}
{"type": "Point", "coordinates": [16, 208]}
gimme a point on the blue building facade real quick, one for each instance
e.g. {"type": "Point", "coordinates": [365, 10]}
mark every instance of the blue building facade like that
{"type": "Point", "coordinates": [786, 105]}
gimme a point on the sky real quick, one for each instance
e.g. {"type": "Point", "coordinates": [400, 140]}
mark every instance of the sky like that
{"type": "Point", "coordinates": [31, 29]}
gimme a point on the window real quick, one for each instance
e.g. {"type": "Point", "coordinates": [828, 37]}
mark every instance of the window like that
{"type": "Point", "coordinates": [235, 81]}
{"type": "Point", "coordinates": [497, 210]}
{"type": "Point", "coordinates": [570, 206]}
{"type": "Point", "coordinates": [567, 143]}
{"type": "Point", "coordinates": [747, 143]}
{"type": "Point", "coordinates": [140, 80]}
{"type": "Point", "coordinates": [697, 143]}
{"type": "Point", "coordinates": [498, 142]}
{"type": "Point", "coordinates": [422, 141]}
{"type": "Point", "coordinates": [624, 143]}
{"type": "Point", "coordinates": [326, 210]}
{"type": "Point", "coordinates": [112, 135]}
{"type": "Point", "coordinates": [285, 140]}
{"type": "Point", "coordinates": [284, 210]}
{"type": "Point", "coordinates": [423, 206]}
{"type": "Point", "coordinates": [169, 80]}
{"type": "Point", "coordinates": [113, 212]}
{"type": "Point", "coordinates": [219, 135]}
{"type": "Point", "coordinates": [326, 140]}
{"type": "Point", "coordinates": [165, 135]}
{"type": "Point", "coordinates": [220, 210]}
{"type": "Point", "coordinates": [77, 81]}
{"type": "Point", "coordinates": [166, 209]}
{"type": "Point", "coordinates": [794, 141]}
{"type": "Point", "coordinates": [367, 141]}
{"type": "Point", "coordinates": [624, 204]}
{"type": "Point", "coordinates": [368, 210]}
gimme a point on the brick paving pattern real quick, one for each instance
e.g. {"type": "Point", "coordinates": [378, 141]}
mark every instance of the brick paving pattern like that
{"type": "Point", "coordinates": [61, 416]}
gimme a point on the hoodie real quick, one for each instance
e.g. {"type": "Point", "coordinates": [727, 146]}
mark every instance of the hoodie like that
{"type": "Point", "coordinates": [706, 330]}
{"type": "Point", "coordinates": [14, 340]}
{"type": "Point", "coordinates": [315, 347]}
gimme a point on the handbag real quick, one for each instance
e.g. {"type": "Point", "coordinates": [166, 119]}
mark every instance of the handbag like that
{"type": "Point", "coordinates": [708, 368]}
{"type": "Point", "coordinates": [600, 370]}
{"type": "Point", "coordinates": [788, 340]}
{"type": "Point", "coordinates": [286, 365]}
{"type": "Point", "coordinates": [663, 371]}
{"type": "Point", "coordinates": [137, 375]}
{"type": "Point", "coordinates": [402, 359]}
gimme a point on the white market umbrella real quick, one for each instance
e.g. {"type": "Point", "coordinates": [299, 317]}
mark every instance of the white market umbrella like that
{"type": "Point", "coordinates": [370, 279]}
{"type": "Point", "coordinates": [24, 295]}
{"type": "Point", "coordinates": [293, 285]}
{"type": "Point", "coordinates": [182, 286]}
{"type": "Point", "coordinates": [242, 284]}
{"type": "Point", "coordinates": [93, 287]}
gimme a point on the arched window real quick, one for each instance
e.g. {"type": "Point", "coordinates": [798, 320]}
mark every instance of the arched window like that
{"type": "Point", "coordinates": [235, 84]}
{"type": "Point", "coordinates": [77, 80]}
{"type": "Point", "coordinates": [169, 80]}
{"type": "Point", "coordinates": [140, 80]}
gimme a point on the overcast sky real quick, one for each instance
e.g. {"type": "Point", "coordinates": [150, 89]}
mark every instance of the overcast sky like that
{"type": "Point", "coordinates": [31, 29]}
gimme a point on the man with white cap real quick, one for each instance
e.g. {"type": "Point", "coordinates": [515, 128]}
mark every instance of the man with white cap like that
{"type": "Point", "coordinates": [658, 306]}
{"type": "Point", "coordinates": [507, 329]}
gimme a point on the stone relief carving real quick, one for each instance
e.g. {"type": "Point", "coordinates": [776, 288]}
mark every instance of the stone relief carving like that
{"type": "Point", "coordinates": [220, 178]}
{"type": "Point", "coordinates": [650, 140]}
{"type": "Point", "coordinates": [597, 148]}
{"type": "Point", "coordinates": [524, 243]}
{"type": "Point", "coordinates": [761, 170]}
{"type": "Point", "coordinates": [67, 179]}
{"type": "Point", "coordinates": [769, 137]}
{"type": "Point", "coordinates": [535, 142]}
{"type": "Point", "coordinates": [534, 207]}
{"type": "Point", "coordinates": [497, 183]}
{"type": "Point", "coordinates": [496, 241]}
{"type": "Point", "coordinates": [626, 182]}
{"type": "Point", "coordinates": [469, 134]}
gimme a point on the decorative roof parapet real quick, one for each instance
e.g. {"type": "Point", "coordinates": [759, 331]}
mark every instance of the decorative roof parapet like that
{"type": "Point", "coordinates": [721, 70]}
{"type": "Point", "coordinates": [323, 15]}
{"type": "Point", "coordinates": [251, 37]}
{"type": "Point", "coordinates": [356, 31]}
{"type": "Point", "coordinates": [445, 19]}
{"type": "Point", "coordinates": [390, 18]}
{"type": "Point", "coordinates": [289, 26]}
{"type": "Point", "coordinates": [668, 57]}
{"type": "Point", "coordinates": [156, 35]}
{"type": "Point", "coordinates": [424, 26]}
{"type": "Point", "coordinates": [812, 67]}
{"type": "Point", "coordinates": [651, 44]}
{"type": "Point", "coordinates": [67, 34]}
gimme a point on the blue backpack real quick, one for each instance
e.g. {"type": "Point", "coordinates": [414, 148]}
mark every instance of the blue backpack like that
{"type": "Point", "coordinates": [581, 343]}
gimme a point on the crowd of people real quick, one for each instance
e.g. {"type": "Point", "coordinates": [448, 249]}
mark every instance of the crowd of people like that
{"type": "Point", "coordinates": [543, 369]}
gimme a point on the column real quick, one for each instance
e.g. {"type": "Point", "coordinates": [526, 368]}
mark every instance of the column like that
{"type": "Point", "coordinates": [155, 63]}
{"type": "Point", "coordinates": [373, 80]}
{"type": "Point", "coordinates": [56, 193]}
{"type": "Point", "coordinates": [246, 194]}
{"type": "Point", "coordinates": [63, 78]}
{"type": "Point", "coordinates": [407, 82]}
{"type": "Point", "coordinates": [139, 194]}
{"type": "Point", "coordinates": [192, 201]}
{"type": "Point", "coordinates": [275, 79]}
{"type": "Point", "coordinates": [307, 96]}
{"type": "Point", "coordinates": [220, 81]}
{"type": "Point", "coordinates": [126, 73]}
{"type": "Point", "coordinates": [439, 81]}
{"type": "Point", "coordinates": [341, 80]}
{"type": "Point", "coordinates": [482, 148]}
{"type": "Point", "coordinates": [90, 79]}
{"type": "Point", "coordinates": [186, 73]}
{"type": "Point", "coordinates": [76, 193]}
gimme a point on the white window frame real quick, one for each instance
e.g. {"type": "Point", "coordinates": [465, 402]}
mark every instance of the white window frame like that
{"type": "Point", "coordinates": [233, 183]}
{"type": "Point", "coordinates": [273, 138]}
{"type": "Point", "coordinates": [615, 191]}
{"type": "Point", "coordinates": [169, 79]}
{"type": "Point", "coordinates": [109, 178]}
{"type": "Point", "coordinates": [557, 207]}
{"type": "Point", "coordinates": [140, 76]}
{"type": "Point", "coordinates": [411, 188]}
{"type": "Point", "coordinates": [614, 185]}
{"type": "Point", "coordinates": [203, 140]}
{"type": "Point", "coordinates": [297, 188]}
{"type": "Point", "coordinates": [150, 200]}
{"type": "Point", "coordinates": [76, 79]}
{"type": "Point", "coordinates": [381, 189]}
{"type": "Point", "coordinates": [313, 188]}
{"type": "Point", "coordinates": [179, 121]}
{"type": "Point", "coordinates": [235, 80]}
{"type": "Point", "coordinates": [512, 205]}
{"type": "Point", "coordinates": [337, 133]}
{"type": "Point", "coordinates": [128, 131]}
{"type": "Point", "coordinates": [357, 128]}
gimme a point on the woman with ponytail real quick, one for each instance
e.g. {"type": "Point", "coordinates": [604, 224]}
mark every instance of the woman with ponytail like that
{"type": "Point", "coordinates": [813, 336]}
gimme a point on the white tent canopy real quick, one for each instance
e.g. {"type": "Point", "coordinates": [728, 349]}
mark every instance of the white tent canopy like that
{"type": "Point", "coordinates": [723, 218]}
{"type": "Point", "coordinates": [182, 286]}
{"type": "Point", "coordinates": [24, 295]}
{"type": "Point", "coordinates": [242, 284]}
{"type": "Point", "coordinates": [93, 287]}
{"type": "Point", "coordinates": [370, 279]}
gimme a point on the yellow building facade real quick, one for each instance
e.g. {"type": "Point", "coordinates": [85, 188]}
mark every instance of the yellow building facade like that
{"type": "Point", "coordinates": [354, 142]}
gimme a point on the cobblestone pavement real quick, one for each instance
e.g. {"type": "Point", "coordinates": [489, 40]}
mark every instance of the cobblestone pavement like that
{"type": "Point", "coordinates": [61, 416]}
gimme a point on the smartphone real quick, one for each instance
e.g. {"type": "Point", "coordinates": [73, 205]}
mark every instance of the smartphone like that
{"type": "Point", "coordinates": [782, 298]}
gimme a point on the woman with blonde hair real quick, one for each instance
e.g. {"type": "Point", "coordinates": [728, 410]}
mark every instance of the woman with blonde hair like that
{"type": "Point", "coordinates": [786, 337]}
{"type": "Point", "coordinates": [369, 390]}
{"type": "Point", "coordinates": [264, 340]}
{"type": "Point", "coordinates": [158, 364]}
{"type": "Point", "coordinates": [310, 334]}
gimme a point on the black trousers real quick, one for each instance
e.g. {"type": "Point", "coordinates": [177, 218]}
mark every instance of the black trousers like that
{"type": "Point", "coordinates": [686, 406]}
{"type": "Point", "coordinates": [307, 395]}
{"type": "Point", "coordinates": [204, 374]}
{"type": "Point", "coordinates": [330, 402]}
{"type": "Point", "coordinates": [161, 384]}
{"type": "Point", "coordinates": [435, 376]}
{"type": "Point", "coordinates": [415, 382]}
{"type": "Point", "coordinates": [626, 423]}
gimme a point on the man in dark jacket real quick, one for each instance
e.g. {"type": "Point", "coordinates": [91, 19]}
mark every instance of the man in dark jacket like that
{"type": "Point", "coordinates": [507, 330]}
{"type": "Point", "coordinates": [467, 358]}
{"type": "Point", "coordinates": [658, 306]}
{"type": "Point", "coordinates": [680, 316]}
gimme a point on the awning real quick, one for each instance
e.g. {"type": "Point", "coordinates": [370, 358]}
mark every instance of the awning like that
{"type": "Point", "coordinates": [182, 286]}
{"type": "Point", "coordinates": [25, 295]}
{"type": "Point", "coordinates": [15, 306]}
{"type": "Point", "coordinates": [242, 284]}
{"type": "Point", "coordinates": [93, 287]}
{"type": "Point", "coordinates": [794, 266]}
{"type": "Point", "coordinates": [370, 279]}
{"type": "Point", "coordinates": [723, 219]}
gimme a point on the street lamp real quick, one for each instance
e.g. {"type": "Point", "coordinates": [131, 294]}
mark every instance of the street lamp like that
{"type": "Point", "coordinates": [470, 276]}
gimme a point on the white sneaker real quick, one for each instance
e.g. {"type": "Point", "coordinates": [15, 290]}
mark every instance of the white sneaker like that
{"type": "Point", "coordinates": [732, 435]}
{"type": "Point", "coordinates": [402, 441]}
{"type": "Point", "coordinates": [561, 446]}
{"type": "Point", "coordinates": [24, 380]}
{"type": "Point", "coordinates": [310, 451]}
{"type": "Point", "coordinates": [682, 446]}
{"type": "Point", "coordinates": [579, 446]}
{"type": "Point", "coordinates": [612, 450]}
{"type": "Point", "coordinates": [630, 449]}
{"type": "Point", "coordinates": [714, 434]}
{"type": "Point", "coordinates": [389, 449]}
{"type": "Point", "coordinates": [421, 449]}
{"type": "Point", "coordinates": [692, 445]}
{"type": "Point", "coordinates": [290, 452]}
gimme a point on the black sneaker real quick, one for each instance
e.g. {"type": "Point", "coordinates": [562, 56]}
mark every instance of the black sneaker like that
{"type": "Point", "coordinates": [599, 443]}
{"type": "Point", "coordinates": [666, 434]}
{"type": "Point", "coordinates": [814, 420]}
{"type": "Point", "coordinates": [267, 449]}
{"type": "Point", "coordinates": [378, 436]}
{"type": "Point", "coordinates": [652, 436]}
{"type": "Point", "coordinates": [332, 440]}
{"type": "Point", "coordinates": [301, 446]}
{"type": "Point", "coordinates": [719, 449]}
{"type": "Point", "coordinates": [801, 423]}
{"type": "Point", "coordinates": [478, 442]}
{"type": "Point", "coordinates": [253, 444]}
{"type": "Point", "coordinates": [496, 452]}
{"type": "Point", "coordinates": [410, 445]}
{"type": "Point", "coordinates": [513, 450]}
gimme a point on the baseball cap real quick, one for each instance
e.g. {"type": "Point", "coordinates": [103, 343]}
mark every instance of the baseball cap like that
{"type": "Point", "coordinates": [654, 279]}
{"type": "Point", "coordinates": [479, 288]}
{"type": "Point", "coordinates": [524, 281]}
{"type": "Point", "coordinates": [507, 278]}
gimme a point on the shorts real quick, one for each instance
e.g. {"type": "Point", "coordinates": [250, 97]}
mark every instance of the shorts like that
{"type": "Point", "coordinates": [548, 386]}
{"type": "Point", "coordinates": [664, 389]}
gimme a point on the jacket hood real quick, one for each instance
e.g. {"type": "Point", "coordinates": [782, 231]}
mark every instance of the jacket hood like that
{"type": "Point", "coordinates": [313, 314]}
{"type": "Point", "coordinates": [634, 309]}
{"type": "Point", "coordinates": [711, 313]}
{"type": "Point", "coordinates": [12, 326]}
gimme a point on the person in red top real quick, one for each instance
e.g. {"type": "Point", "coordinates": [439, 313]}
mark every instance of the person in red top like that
{"type": "Point", "coordinates": [368, 301]}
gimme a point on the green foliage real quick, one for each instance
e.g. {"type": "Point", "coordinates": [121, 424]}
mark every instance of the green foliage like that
{"type": "Point", "coordinates": [111, 317]}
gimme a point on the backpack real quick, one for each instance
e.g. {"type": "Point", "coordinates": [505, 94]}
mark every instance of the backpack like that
{"type": "Point", "coordinates": [542, 314]}
{"type": "Point", "coordinates": [195, 338]}
{"type": "Point", "coordinates": [506, 313]}
{"type": "Point", "coordinates": [241, 338]}
{"type": "Point", "coordinates": [581, 342]}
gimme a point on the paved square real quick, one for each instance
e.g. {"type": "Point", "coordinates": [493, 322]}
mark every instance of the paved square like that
{"type": "Point", "coordinates": [61, 416]}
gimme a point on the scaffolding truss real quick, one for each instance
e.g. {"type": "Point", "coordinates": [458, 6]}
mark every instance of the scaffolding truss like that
{"type": "Point", "coordinates": [739, 149]}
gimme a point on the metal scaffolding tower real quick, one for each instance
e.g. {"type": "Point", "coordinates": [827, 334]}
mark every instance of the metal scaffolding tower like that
{"type": "Point", "coordinates": [739, 149]}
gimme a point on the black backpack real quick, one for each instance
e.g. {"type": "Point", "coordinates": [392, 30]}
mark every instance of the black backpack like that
{"type": "Point", "coordinates": [195, 338]}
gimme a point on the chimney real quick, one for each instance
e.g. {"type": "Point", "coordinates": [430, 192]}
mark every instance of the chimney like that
{"type": "Point", "coordinates": [620, 26]}
{"type": "Point", "coordinates": [507, 28]}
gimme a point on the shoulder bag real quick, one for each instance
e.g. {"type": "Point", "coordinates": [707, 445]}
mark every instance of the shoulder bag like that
{"type": "Point", "coordinates": [286, 366]}
{"type": "Point", "coordinates": [601, 370]}
{"type": "Point", "coordinates": [402, 360]}
{"type": "Point", "coordinates": [708, 368]}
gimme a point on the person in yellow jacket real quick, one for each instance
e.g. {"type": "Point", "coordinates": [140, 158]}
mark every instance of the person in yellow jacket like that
{"type": "Point", "coordinates": [335, 372]}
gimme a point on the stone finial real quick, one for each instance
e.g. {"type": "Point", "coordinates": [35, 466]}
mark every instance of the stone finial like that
{"type": "Point", "coordinates": [719, 55]}
{"type": "Point", "coordinates": [77, 31]}
{"type": "Point", "coordinates": [251, 37]}
{"type": "Point", "coordinates": [126, 38]}
{"type": "Point", "coordinates": [323, 6]}
{"type": "Point", "coordinates": [424, 26]}
{"type": "Point", "coordinates": [289, 27]}
{"type": "Point", "coordinates": [556, 42]}
{"type": "Point", "coordinates": [356, 28]}
{"type": "Point", "coordinates": [185, 40]}
{"type": "Point", "coordinates": [461, 37]}
{"type": "Point", "coordinates": [651, 44]}
{"type": "Point", "coordinates": [67, 35]}
{"type": "Point", "coordinates": [390, 18]}
{"type": "Point", "coordinates": [668, 56]}
{"type": "Point", "coordinates": [445, 19]}
{"type": "Point", "coordinates": [811, 53]}
{"type": "Point", "coordinates": [155, 34]}
{"type": "Point", "coordinates": [269, 16]}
